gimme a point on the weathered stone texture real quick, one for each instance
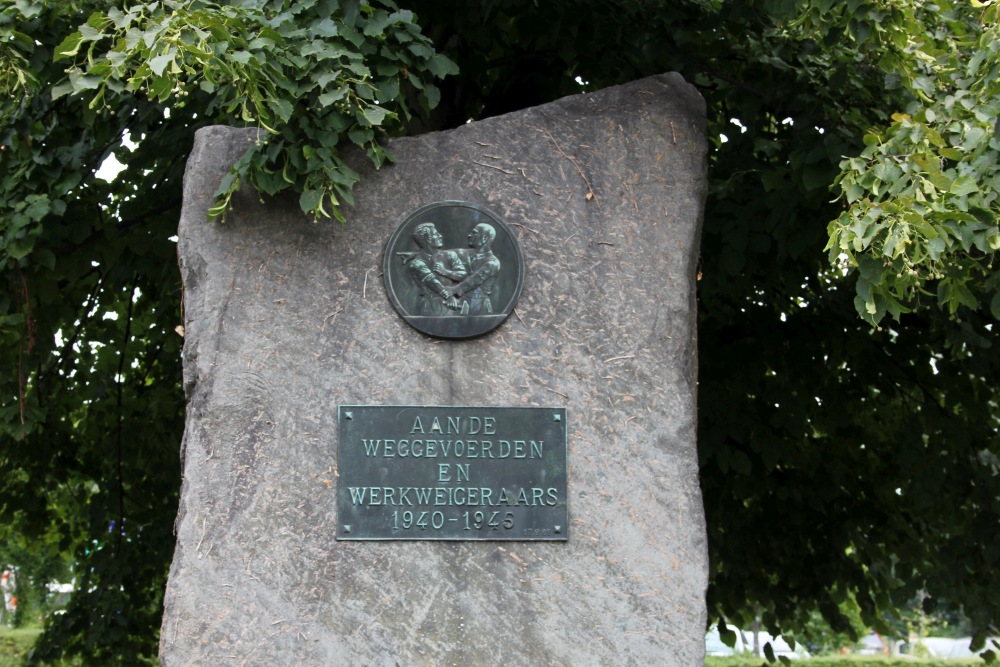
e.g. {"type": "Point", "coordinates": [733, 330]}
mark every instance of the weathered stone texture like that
{"type": "Point", "coordinates": [286, 319]}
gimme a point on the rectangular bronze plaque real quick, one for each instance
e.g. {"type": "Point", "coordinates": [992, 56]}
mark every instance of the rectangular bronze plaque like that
{"type": "Point", "coordinates": [410, 472]}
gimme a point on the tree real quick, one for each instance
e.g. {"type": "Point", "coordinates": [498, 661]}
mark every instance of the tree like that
{"type": "Point", "coordinates": [92, 410]}
{"type": "Point", "coordinates": [923, 193]}
{"type": "Point", "coordinates": [839, 460]}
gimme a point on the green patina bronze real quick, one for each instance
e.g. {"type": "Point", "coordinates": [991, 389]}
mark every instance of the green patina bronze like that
{"type": "Point", "coordinates": [451, 473]}
{"type": "Point", "coordinates": [453, 270]}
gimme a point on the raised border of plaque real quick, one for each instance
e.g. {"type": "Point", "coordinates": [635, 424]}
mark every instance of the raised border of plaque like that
{"type": "Point", "coordinates": [408, 472]}
{"type": "Point", "coordinates": [453, 269]}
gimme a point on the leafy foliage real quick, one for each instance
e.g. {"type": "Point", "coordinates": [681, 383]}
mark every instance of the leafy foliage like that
{"type": "Point", "coordinates": [41, 563]}
{"type": "Point", "coordinates": [838, 461]}
{"type": "Point", "coordinates": [820, 638]}
{"type": "Point", "coordinates": [312, 74]}
{"type": "Point", "coordinates": [924, 194]}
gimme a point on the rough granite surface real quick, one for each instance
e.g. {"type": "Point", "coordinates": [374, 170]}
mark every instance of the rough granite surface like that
{"type": "Point", "coordinates": [286, 319]}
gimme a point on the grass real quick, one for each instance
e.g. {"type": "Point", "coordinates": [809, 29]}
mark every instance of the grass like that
{"type": "Point", "coordinates": [15, 644]}
{"type": "Point", "coordinates": [847, 661]}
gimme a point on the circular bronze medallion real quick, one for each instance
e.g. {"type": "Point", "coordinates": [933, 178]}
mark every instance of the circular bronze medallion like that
{"type": "Point", "coordinates": [453, 270]}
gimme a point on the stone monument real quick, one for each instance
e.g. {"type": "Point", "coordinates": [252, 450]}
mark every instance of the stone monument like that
{"type": "Point", "coordinates": [297, 357]}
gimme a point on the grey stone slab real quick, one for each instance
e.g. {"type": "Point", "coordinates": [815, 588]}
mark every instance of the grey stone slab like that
{"type": "Point", "coordinates": [286, 319]}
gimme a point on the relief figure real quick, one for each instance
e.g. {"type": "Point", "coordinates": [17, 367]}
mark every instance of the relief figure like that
{"type": "Point", "coordinates": [474, 292]}
{"type": "Point", "coordinates": [453, 281]}
{"type": "Point", "coordinates": [430, 269]}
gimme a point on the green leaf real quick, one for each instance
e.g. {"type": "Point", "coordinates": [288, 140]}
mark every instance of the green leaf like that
{"type": "Point", "coordinates": [38, 206]}
{"type": "Point", "coordinates": [261, 43]}
{"type": "Point", "coordinates": [323, 79]}
{"type": "Point", "coordinates": [159, 63]}
{"type": "Point", "coordinates": [931, 166]}
{"type": "Point", "coordinates": [119, 18]}
{"type": "Point", "coordinates": [160, 88]}
{"type": "Point", "coordinates": [995, 305]}
{"type": "Point", "coordinates": [871, 269]}
{"type": "Point", "coordinates": [360, 135]}
{"type": "Point", "coordinates": [20, 247]}
{"type": "Point", "coordinates": [441, 66]}
{"type": "Point", "coordinates": [387, 90]}
{"type": "Point", "coordinates": [964, 185]}
{"type": "Point", "coordinates": [309, 200]}
{"type": "Point", "coordinates": [727, 635]}
{"type": "Point", "coordinates": [283, 109]}
{"type": "Point", "coordinates": [817, 177]}
{"type": "Point", "coordinates": [92, 31]}
{"type": "Point", "coordinates": [328, 99]}
{"type": "Point", "coordinates": [374, 115]}
{"type": "Point", "coordinates": [61, 90]}
{"type": "Point", "coordinates": [925, 228]}
{"type": "Point", "coordinates": [934, 137]}
{"type": "Point", "coordinates": [951, 154]}
{"type": "Point", "coordinates": [81, 81]}
{"type": "Point", "coordinates": [852, 191]}
{"type": "Point", "coordinates": [69, 47]}
{"type": "Point", "coordinates": [324, 28]}
{"type": "Point", "coordinates": [359, 68]}
{"type": "Point", "coordinates": [376, 24]}
{"type": "Point", "coordinates": [422, 51]}
{"type": "Point", "coordinates": [982, 215]}
{"type": "Point", "coordinates": [432, 95]}
{"type": "Point", "coordinates": [769, 652]}
{"type": "Point", "coordinates": [974, 136]}
{"type": "Point", "coordinates": [936, 247]}
{"type": "Point", "coordinates": [46, 258]}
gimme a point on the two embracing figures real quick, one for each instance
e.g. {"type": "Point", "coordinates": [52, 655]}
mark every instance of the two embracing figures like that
{"type": "Point", "coordinates": [456, 281]}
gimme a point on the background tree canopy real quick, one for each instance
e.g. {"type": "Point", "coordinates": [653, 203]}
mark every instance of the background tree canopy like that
{"type": "Point", "coordinates": [853, 183]}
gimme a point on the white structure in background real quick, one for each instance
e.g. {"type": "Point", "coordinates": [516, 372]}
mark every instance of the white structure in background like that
{"type": "Point", "coordinates": [744, 644]}
{"type": "Point", "coordinates": [948, 647]}
{"type": "Point", "coordinates": [779, 646]}
{"type": "Point", "coordinates": [715, 646]}
{"type": "Point", "coordinates": [8, 585]}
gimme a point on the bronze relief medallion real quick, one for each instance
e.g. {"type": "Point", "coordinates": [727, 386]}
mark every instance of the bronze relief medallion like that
{"type": "Point", "coordinates": [453, 270]}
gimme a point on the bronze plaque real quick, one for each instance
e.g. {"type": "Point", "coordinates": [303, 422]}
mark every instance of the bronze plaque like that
{"type": "Point", "coordinates": [453, 270]}
{"type": "Point", "coordinates": [409, 472]}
